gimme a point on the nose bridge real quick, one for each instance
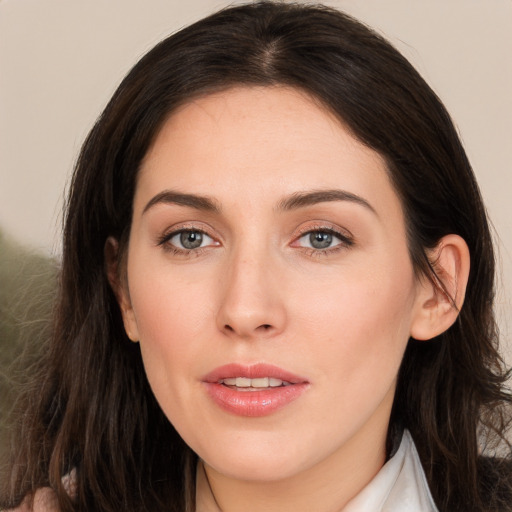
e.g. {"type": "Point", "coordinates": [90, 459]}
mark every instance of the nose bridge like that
{"type": "Point", "coordinates": [251, 304]}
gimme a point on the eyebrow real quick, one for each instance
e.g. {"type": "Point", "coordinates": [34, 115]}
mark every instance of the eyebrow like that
{"type": "Point", "coordinates": [203, 203]}
{"type": "Point", "coordinates": [292, 202]}
{"type": "Point", "coordinates": [303, 199]}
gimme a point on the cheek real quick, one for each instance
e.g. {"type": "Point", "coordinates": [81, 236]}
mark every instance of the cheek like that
{"type": "Point", "coordinates": [361, 329]}
{"type": "Point", "coordinates": [169, 342]}
{"type": "Point", "coordinates": [165, 303]}
{"type": "Point", "coordinates": [172, 318]}
{"type": "Point", "coordinates": [363, 319]}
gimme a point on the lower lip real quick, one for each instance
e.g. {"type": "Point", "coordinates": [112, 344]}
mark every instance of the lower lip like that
{"type": "Point", "coordinates": [254, 403]}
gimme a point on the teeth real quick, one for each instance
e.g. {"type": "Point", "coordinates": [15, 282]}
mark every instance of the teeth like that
{"type": "Point", "coordinates": [261, 382]}
{"type": "Point", "coordinates": [243, 382]}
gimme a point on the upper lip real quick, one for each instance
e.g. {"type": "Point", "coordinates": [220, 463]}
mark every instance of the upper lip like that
{"type": "Point", "coordinates": [253, 371]}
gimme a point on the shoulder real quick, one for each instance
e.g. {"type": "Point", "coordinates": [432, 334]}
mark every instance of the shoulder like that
{"type": "Point", "coordinates": [45, 500]}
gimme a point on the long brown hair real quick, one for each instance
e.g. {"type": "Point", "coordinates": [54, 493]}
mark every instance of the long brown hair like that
{"type": "Point", "coordinates": [89, 407]}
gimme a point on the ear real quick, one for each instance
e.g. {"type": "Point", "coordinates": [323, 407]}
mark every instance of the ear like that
{"type": "Point", "coordinates": [119, 284]}
{"type": "Point", "coordinates": [438, 304]}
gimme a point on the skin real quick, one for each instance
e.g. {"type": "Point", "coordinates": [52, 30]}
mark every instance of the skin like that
{"type": "Point", "coordinates": [259, 290]}
{"type": "Point", "coordinates": [255, 292]}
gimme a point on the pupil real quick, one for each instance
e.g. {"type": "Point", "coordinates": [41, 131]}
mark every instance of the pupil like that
{"type": "Point", "coordinates": [320, 240]}
{"type": "Point", "coordinates": [191, 239]}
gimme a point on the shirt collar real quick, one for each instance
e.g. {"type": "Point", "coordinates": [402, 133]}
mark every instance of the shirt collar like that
{"type": "Point", "coordinates": [400, 486]}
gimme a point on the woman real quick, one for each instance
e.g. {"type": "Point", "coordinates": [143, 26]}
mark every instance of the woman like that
{"type": "Point", "coordinates": [276, 290]}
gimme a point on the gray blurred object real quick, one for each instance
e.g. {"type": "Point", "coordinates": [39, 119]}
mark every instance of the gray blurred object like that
{"type": "Point", "coordinates": [27, 292]}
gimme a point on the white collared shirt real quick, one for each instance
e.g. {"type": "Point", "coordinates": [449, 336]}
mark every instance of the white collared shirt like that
{"type": "Point", "coordinates": [400, 486]}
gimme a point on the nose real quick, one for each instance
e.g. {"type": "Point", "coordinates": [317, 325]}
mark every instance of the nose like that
{"type": "Point", "coordinates": [252, 303]}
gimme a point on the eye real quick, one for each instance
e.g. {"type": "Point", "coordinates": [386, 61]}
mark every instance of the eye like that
{"type": "Point", "coordinates": [319, 239]}
{"type": "Point", "coordinates": [322, 239]}
{"type": "Point", "coordinates": [189, 239]}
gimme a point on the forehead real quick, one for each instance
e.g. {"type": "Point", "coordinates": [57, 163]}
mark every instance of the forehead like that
{"type": "Point", "coordinates": [265, 140]}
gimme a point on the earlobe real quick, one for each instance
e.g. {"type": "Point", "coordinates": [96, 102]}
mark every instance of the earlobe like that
{"type": "Point", "coordinates": [438, 303]}
{"type": "Point", "coordinates": [119, 286]}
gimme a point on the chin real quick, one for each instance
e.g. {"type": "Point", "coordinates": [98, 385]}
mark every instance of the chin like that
{"type": "Point", "coordinates": [260, 458]}
{"type": "Point", "coordinates": [260, 469]}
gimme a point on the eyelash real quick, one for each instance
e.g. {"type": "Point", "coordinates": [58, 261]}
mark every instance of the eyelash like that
{"type": "Point", "coordinates": [164, 242]}
{"type": "Point", "coordinates": [346, 241]}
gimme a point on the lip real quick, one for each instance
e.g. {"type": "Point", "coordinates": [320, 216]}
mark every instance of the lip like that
{"type": "Point", "coordinates": [253, 403]}
{"type": "Point", "coordinates": [253, 371]}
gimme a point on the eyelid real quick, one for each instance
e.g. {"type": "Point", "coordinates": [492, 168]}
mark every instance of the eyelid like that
{"type": "Point", "coordinates": [344, 234]}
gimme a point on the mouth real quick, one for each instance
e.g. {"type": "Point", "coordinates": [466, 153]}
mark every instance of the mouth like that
{"type": "Point", "coordinates": [258, 384]}
{"type": "Point", "coordinates": [254, 390]}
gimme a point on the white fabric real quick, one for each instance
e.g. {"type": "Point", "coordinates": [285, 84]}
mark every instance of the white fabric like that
{"type": "Point", "coordinates": [400, 486]}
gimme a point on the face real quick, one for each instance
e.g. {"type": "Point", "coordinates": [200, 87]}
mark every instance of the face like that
{"type": "Point", "coordinates": [268, 283]}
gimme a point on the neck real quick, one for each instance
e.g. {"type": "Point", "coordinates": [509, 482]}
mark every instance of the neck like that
{"type": "Point", "coordinates": [325, 487]}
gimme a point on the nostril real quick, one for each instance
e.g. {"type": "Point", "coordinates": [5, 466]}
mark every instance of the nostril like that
{"type": "Point", "coordinates": [243, 332]}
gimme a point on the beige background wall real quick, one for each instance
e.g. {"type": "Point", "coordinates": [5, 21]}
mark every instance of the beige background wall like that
{"type": "Point", "coordinates": [60, 60]}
